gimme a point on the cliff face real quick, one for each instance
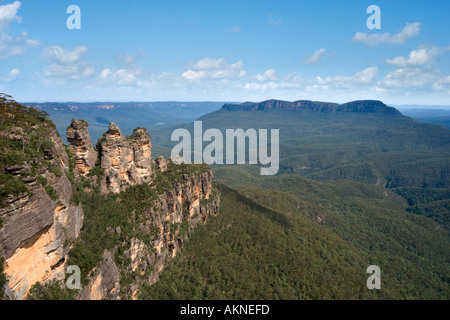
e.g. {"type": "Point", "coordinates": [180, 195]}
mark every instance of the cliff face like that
{"type": "Point", "coordinates": [363, 106]}
{"type": "Point", "coordinates": [43, 190]}
{"type": "Point", "coordinates": [175, 214]}
{"type": "Point", "coordinates": [162, 228]}
{"type": "Point", "coordinates": [39, 224]}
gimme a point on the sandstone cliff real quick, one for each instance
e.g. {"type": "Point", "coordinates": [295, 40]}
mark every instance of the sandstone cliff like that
{"type": "Point", "coordinates": [45, 190]}
{"type": "Point", "coordinates": [180, 197]}
{"type": "Point", "coordinates": [39, 224]}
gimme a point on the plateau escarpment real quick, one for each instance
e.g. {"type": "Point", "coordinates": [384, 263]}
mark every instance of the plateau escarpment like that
{"type": "Point", "coordinates": [362, 106]}
{"type": "Point", "coordinates": [113, 211]}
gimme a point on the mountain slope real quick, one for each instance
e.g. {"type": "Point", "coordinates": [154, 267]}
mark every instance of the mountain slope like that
{"type": "Point", "coordinates": [273, 245]}
{"type": "Point", "coordinates": [366, 141]}
{"type": "Point", "coordinates": [379, 196]}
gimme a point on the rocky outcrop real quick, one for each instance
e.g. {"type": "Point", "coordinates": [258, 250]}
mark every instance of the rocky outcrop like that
{"type": "Point", "coordinates": [125, 160]}
{"type": "Point", "coordinates": [81, 146]}
{"type": "Point", "coordinates": [40, 224]}
{"type": "Point", "coordinates": [104, 281]}
{"type": "Point", "coordinates": [38, 228]}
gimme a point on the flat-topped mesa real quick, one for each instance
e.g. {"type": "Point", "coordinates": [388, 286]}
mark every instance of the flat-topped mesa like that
{"type": "Point", "coordinates": [368, 106]}
{"type": "Point", "coordinates": [81, 146]}
{"type": "Point", "coordinates": [125, 160]}
{"type": "Point", "coordinates": [362, 106]}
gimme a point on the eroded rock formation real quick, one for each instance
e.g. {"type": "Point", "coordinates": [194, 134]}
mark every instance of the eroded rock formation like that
{"type": "Point", "coordinates": [81, 146]}
{"type": "Point", "coordinates": [125, 160]}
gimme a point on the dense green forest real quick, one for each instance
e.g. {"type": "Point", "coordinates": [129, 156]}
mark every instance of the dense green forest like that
{"type": "Point", "coordinates": [292, 238]}
{"type": "Point", "coordinates": [383, 148]}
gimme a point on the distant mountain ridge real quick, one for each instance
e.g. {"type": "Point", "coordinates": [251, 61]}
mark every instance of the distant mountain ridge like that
{"type": "Point", "coordinates": [361, 106]}
{"type": "Point", "coordinates": [127, 115]}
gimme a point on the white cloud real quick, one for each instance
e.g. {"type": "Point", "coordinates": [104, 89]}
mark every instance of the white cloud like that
{"type": "Point", "coordinates": [365, 76]}
{"type": "Point", "coordinates": [418, 57]}
{"type": "Point", "coordinates": [12, 45]}
{"type": "Point", "coordinates": [12, 75]}
{"type": "Point", "coordinates": [268, 75]}
{"type": "Point", "coordinates": [62, 56]}
{"type": "Point", "coordinates": [215, 69]}
{"type": "Point", "coordinates": [410, 78]}
{"type": "Point", "coordinates": [121, 77]}
{"type": "Point", "coordinates": [315, 57]}
{"type": "Point", "coordinates": [67, 63]}
{"type": "Point", "coordinates": [419, 71]}
{"type": "Point", "coordinates": [442, 84]}
{"type": "Point", "coordinates": [271, 85]}
{"type": "Point", "coordinates": [236, 29]}
{"type": "Point", "coordinates": [8, 14]}
{"type": "Point", "coordinates": [409, 31]}
{"type": "Point", "coordinates": [208, 64]}
{"type": "Point", "coordinates": [292, 83]}
{"type": "Point", "coordinates": [105, 73]}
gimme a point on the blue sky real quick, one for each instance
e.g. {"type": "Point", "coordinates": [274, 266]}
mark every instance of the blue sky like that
{"type": "Point", "coordinates": [228, 50]}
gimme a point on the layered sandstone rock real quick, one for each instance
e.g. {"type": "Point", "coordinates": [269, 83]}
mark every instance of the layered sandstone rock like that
{"type": "Point", "coordinates": [38, 231]}
{"type": "Point", "coordinates": [125, 160]}
{"type": "Point", "coordinates": [81, 146]}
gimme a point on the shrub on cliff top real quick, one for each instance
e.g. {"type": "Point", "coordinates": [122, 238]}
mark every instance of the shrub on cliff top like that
{"type": "Point", "coordinates": [10, 185]}
{"type": "Point", "coordinates": [25, 132]}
